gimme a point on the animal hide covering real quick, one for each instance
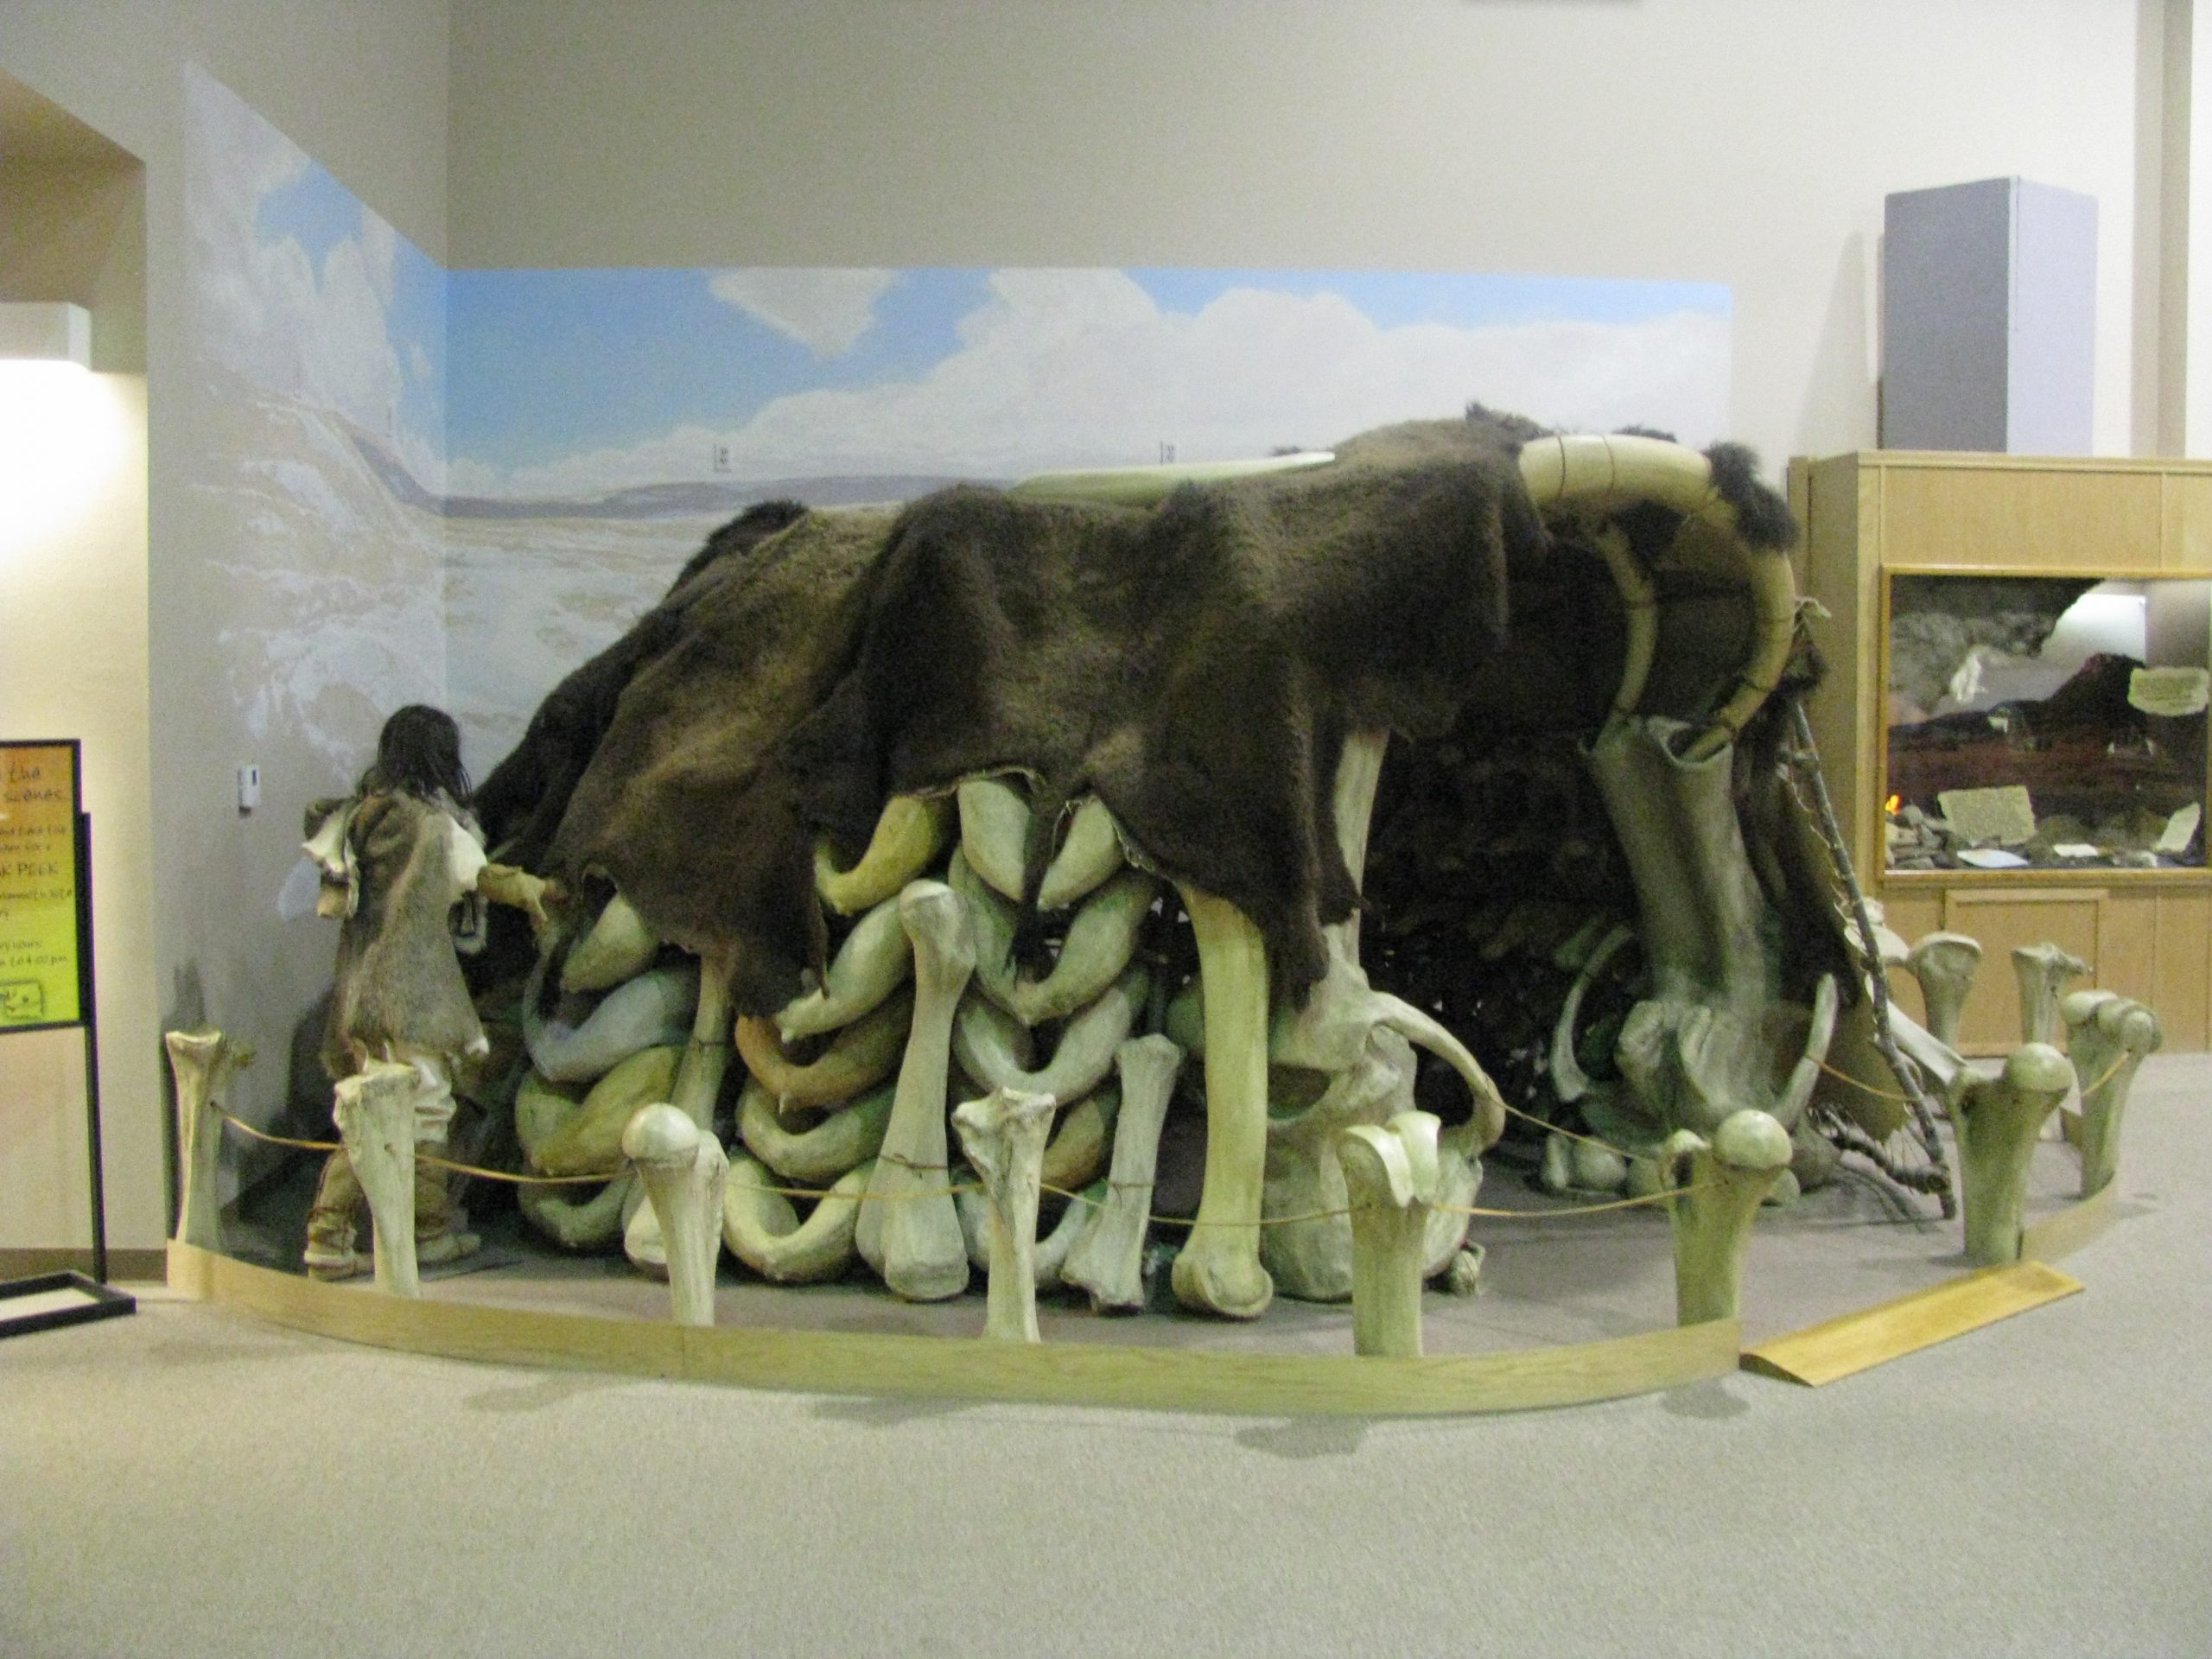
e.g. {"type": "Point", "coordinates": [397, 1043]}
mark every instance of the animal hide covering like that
{"type": "Point", "coordinates": [1197, 664]}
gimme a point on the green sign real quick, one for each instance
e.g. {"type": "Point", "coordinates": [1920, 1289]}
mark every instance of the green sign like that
{"type": "Point", "coordinates": [41, 884]}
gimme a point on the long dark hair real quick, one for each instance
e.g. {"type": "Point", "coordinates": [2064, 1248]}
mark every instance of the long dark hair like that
{"type": "Point", "coordinates": [418, 752]}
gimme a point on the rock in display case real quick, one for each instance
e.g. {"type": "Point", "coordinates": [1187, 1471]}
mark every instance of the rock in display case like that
{"type": "Point", "coordinates": [2045, 722]}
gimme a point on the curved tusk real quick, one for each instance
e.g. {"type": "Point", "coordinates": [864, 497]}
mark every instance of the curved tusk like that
{"type": "Point", "coordinates": [1805, 1075]}
{"type": "Point", "coordinates": [994, 832]}
{"type": "Point", "coordinates": [1640, 605]}
{"type": "Point", "coordinates": [590, 1142]}
{"type": "Point", "coordinates": [763, 1228]}
{"type": "Point", "coordinates": [1605, 473]}
{"type": "Point", "coordinates": [1569, 1081]}
{"type": "Point", "coordinates": [861, 1055]}
{"type": "Point", "coordinates": [619, 947]}
{"type": "Point", "coordinates": [908, 837]}
{"type": "Point", "coordinates": [1087, 860]}
{"type": "Point", "coordinates": [1423, 1031]}
{"type": "Point", "coordinates": [1101, 940]}
{"type": "Point", "coordinates": [654, 1009]}
{"type": "Point", "coordinates": [875, 960]}
{"type": "Point", "coordinates": [987, 1041]}
{"type": "Point", "coordinates": [838, 1144]}
{"type": "Point", "coordinates": [1084, 1137]}
{"type": "Point", "coordinates": [577, 1224]}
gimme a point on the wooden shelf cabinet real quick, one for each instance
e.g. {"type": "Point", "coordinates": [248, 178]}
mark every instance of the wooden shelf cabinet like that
{"type": "Point", "coordinates": [2147, 934]}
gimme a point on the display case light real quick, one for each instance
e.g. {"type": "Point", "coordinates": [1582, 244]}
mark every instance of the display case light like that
{"type": "Point", "coordinates": [45, 331]}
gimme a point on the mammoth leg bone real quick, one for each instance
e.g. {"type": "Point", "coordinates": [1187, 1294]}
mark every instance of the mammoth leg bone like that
{"type": "Point", "coordinates": [1998, 1120]}
{"type": "Point", "coordinates": [698, 1085]}
{"type": "Point", "coordinates": [684, 1170]}
{"type": "Point", "coordinates": [910, 1232]}
{"type": "Point", "coordinates": [1107, 1259]}
{"type": "Point", "coordinates": [1945, 963]}
{"type": "Point", "coordinates": [2044, 971]}
{"type": "Point", "coordinates": [378, 1114]}
{"type": "Point", "coordinates": [1003, 1135]}
{"type": "Point", "coordinates": [908, 837]}
{"type": "Point", "coordinates": [2108, 1037]}
{"type": "Point", "coordinates": [1720, 1187]}
{"type": "Point", "coordinates": [1391, 1176]}
{"type": "Point", "coordinates": [204, 1062]}
{"type": "Point", "coordinates": [1218, 1270]}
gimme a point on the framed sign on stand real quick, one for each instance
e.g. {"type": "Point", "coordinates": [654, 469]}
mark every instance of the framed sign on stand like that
{"type": "Point", "coordinates": [46, 985]}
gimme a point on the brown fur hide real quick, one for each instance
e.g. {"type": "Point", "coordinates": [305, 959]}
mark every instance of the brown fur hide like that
{"type": "Point", "coordinates": [1197, 664]}
{"type": "Point", "coordinates": [398, 978]}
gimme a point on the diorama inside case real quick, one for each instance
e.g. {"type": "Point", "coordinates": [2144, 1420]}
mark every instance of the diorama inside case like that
{"type": "Point", "coordinates": [2046, 721]}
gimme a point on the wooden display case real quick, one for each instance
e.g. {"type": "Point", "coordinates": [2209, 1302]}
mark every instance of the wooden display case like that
{"type": "Point", "coordinates": [2146, 933]}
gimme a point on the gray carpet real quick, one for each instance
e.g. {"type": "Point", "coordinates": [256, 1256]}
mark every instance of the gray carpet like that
{"type": "Point", "coordinates": [188, 1482]}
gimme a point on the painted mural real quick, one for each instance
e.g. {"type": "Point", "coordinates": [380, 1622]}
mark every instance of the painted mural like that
{"type": "Point", "coordinates": [513, 463]}
{"type": "Point", "coordinates": [321, 340]}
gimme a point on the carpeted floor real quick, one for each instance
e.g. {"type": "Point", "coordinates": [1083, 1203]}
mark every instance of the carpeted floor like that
{"type": "Point", "coordinates": [188, 1482]}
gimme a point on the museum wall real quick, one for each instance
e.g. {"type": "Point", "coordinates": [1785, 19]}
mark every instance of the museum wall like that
{"type": "Point", "coordinates": [1723, 141]}
{"type": "Point", "coordinates": [363, 89]}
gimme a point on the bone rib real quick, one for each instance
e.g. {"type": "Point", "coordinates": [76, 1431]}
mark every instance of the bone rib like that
{"type": "Point", "coordinates": [684, 1170]}
{"type": "Point", "coordinates": [2043, 971]}
{"type": "Point", "coordinates": [1218, 1270]}
{"type": "Point", "coordinates": [1003, 1135]}
{"type": "Point", "coordinates": [1108, 1257]}
{"type": "Point", "coordinates": [1944, 964]}
{"type": "Point", "coordinates": [908, 837]}
{"type": "Point", "coordinates": [204, 1062]}
{"type": "Point", "coordinates": [763, 1229]}
{"type": "Point", "coordinates": [1089, 857]}
{"type": "Point", "coordinates": [376, 1114]}
{"type": "Point", "coordinates": [912, 1235]}
{"type": "Point", "coordinates": [1390, 1173]}
{"type": "Point", "coordinates": [875, 961]}
{"type": "Point", "coordinates": [1998, 1120]}
{"type": "Point", "coordinates": [839, 1144]}
{"type": "Point", "coordinates": [861, 1055]}
{"type": "Point", "coordinates": [2108, 1037]}
{"type": "Point", "coordinates": [619, 947]}
{"type": "Point", "coordinates": [1727, 1180]}
{"type": "Point", "coordinates": [989, 1043]}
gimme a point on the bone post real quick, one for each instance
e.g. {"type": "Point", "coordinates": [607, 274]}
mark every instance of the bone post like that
{"type": "Point", "coordinates": [1390, 1173]}
{"type": "Point", "coordinates": [1003, 1135]}
{"type": "Point", "coordinates": [1998, 1120]}
{"type": "Point", "coordinates": [1945, 963]}
{"type": "Point", "coordinates": [376, 1116]}
{"type": "Point", "coordinates": [2109, 1037]}
{"type": "Point", "coordinates": [682, 1169]}
{"type": "Point", "coordinates": [1720, 1185]}
{"type": "Point", "coordinates": [203, 1063]}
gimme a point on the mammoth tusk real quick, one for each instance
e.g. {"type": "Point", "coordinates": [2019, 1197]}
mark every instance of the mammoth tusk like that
{"type": "Point", "coordinates": [989, 1043]}
{"type": "Point", "coordinates": [619, 947]}
{"type": "Point", "coordinates": [1101, 939]}
{"type": "Point", "coordinates": [994, 832]}
{"type": "Point", "coordinates": [1640, 612]}
{"type": "Point", "coordinates": [590, 1141]}
{"type": "Point", "coordinates": [861, 1055]}
{"type": "Point", "coordinates": [1727, 1180]}
{"type": "Point", "coordinates": [1569, 1081]}
{"type": "Point", "coordinates": [875, 960]}
{"type": "Point", "coordinates": [651, 1011]}
{"type": "Point", "coordinates": [1087, 859]}
{"type": "Point", "coordinates": [1080, 1144]}
{"type": "Point", "coordinates": [763, 1229]}
{"type": "Point", "coordinates": [908, 837]}
{"type": "Point", "coordinates": [842, 1142]}
{"type": "Point", "coordinates": [912, 1237]}
{"type": "Point", "coordinates": [1607, 473]}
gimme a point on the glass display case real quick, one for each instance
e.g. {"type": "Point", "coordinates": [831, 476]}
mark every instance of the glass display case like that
{"type": "Point", "coordinates": [2045, 722]}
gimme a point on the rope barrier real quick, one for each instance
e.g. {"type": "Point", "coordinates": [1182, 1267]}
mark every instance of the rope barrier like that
{"type": "Point", "coordinates": [427, 1157]}
{"type": "Point", "coordinates": [2088, 1089]}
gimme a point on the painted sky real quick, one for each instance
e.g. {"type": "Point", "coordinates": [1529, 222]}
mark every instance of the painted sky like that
{"type": "Point", "coordinates": [575, 382]}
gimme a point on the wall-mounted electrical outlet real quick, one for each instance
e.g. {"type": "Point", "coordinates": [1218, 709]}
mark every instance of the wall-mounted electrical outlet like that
{"type": "Point", "coordinates": [249, 788]}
